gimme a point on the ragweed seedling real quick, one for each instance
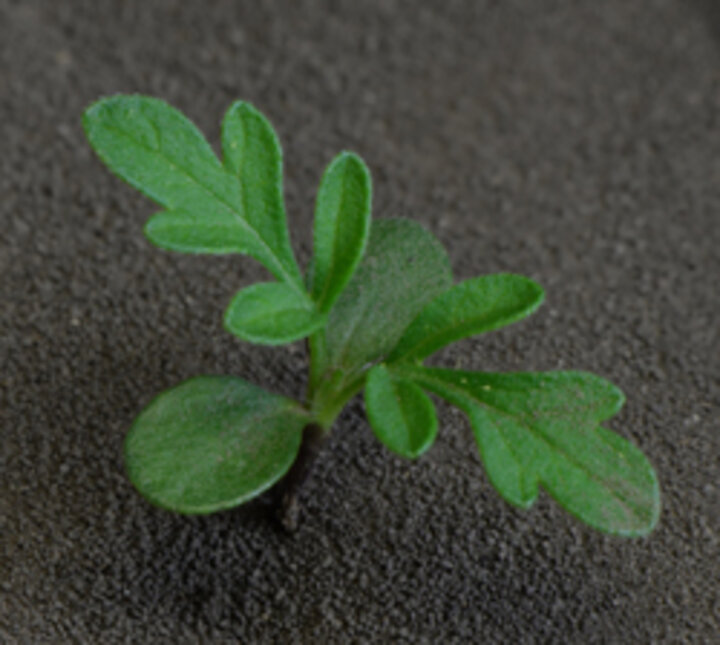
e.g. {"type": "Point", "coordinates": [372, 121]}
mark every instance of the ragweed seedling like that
{"type": "Point", "coordinates": [377, 300]}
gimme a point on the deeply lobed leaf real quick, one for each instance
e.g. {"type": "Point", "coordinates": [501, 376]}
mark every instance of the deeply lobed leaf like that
{"type": "Point", "coordinates": [157, 150]}
{"type": "Point", "coordinates": [212, 443]}
{"type": "Point", "coordinates": [544, 429]}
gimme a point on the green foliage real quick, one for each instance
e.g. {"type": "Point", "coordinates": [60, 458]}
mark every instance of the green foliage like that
{"type": "Point", "coordinates": [342, 225]}
{"type": "Point", "coordinates": [403, 269]}
{"type": "Point", "coordinates": [466, 309]}
{"type": "Point", "coordinates": [212, 443]}
{"type": "Point", "coordinates": [545, 429]}
{"type": "Point", "coordinates": [378, 299]}
{"type": "Point", "coordinates": [271, 313]}
{"type": "Point", "coordinates": [210, 208]}
{"type": "Point", "coordinates": [252, 154]}
{"type": "Point", "coordinates": [400, 413]}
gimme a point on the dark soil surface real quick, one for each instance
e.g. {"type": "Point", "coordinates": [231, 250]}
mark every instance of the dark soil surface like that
{"type": "Point", "coordinates": [574, 142]}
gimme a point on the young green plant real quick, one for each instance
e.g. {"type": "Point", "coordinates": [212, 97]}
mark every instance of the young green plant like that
{"type": "Point", "coordinates": [378, 299]}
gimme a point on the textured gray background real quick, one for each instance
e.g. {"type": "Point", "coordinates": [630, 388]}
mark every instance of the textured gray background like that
{"type": "Point", "coordinates": [575, 142]}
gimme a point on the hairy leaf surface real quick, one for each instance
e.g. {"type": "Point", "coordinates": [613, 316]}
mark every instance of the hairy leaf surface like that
{"type": "Point", "coordinates": [157, 150]}
{"type": "Point", "coordinates": [252, 153]}
{"type": "Point", "coordinates": [471, 307]}
{"type": "Point", "coordinates": [401, 415]}
{"type": "Point", "coordinates": [272, 313]}
{"type": "Point", "coordinates": [212, 443]}
{"type": "Point", "coordinates": [403, 268]}
{"type": "Point", "coordinates": [544, 429]}
{"type": "Point", "coordinates": [342, 226]}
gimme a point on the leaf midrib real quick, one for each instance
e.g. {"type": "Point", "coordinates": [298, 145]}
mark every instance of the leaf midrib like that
{"type": "Point", "coordinates": [417, 352]}
{"type": "Point", "coordinates": [245, 198]}
{"type": "Point", "coordinates": [395, 385]}
{"type": "Point", "coordinates": [474, 400]}
{"type": "Point", "coordinates": [336, 226]}
{"type": "Point", "coordinates": [275, 312]}
{"type": "Point", "coordinates": [242, 221]}
{"type": "Point", "coordinates": [345, 345]}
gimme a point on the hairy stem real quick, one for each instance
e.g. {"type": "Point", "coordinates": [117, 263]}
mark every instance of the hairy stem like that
{"type": "Point", "coordinates": [289, 488]}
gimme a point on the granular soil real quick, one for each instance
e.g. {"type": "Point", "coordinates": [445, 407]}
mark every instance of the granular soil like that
{"type": "Point", "coordinates": [574, 142]}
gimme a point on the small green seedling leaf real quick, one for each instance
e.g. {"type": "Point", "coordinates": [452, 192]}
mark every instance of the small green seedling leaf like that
{"type": "Point", "coordinates": [472, 307]}
{"type": "Point", "coordinates": [342, 226]}
{"type": "Point", "coordinates": [272, 313]}
{"type": "Point", "coordinates": [403, 268]}
{"type": "Point", "coordinates": [379, 301]}
{"type": "Point", "coordinates": [544, 429]}
{"type": "Point", "coordinates": [157, 150]}
{"type": "Point", "coordinates": [252, 153]}
{"type": "Point", "coordinates": [211, 443]}
{"type": "Point", "coordinates": [195, 232]}
{"type": "Point", "coordinates": [401, 415]}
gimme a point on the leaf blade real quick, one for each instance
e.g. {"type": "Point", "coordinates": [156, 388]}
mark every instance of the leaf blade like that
{"type": "Point", "coordinates": [190, 232]}
{"type": "Point", "coordinates": [469, 308]}
{"type": "Point", "coordinates": [549, 423]}
{"type": "Point", "coordinates": [211, 443]}
{"type": "Point", "coordinates": [271, 313]}
{"type": "Point", "coordinates": [404, 266]}
{"type": "Point", "coordinates": [252, 153]}
{"type": "Point", "coordinates": [157, 150]}
{"type": "Point", "coordinates": [341, 228]}
{"type": "Point", "coordinates": [401, 415]}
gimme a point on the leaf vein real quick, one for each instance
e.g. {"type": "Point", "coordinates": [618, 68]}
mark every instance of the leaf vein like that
{"type": "Point", "coordinates": [545, 439]}
{"type": "Point", "coordinates": [262, 243]}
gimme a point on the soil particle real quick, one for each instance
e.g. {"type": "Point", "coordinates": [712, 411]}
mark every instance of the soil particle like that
{"type": "Point", "coordinates": [576, 143]}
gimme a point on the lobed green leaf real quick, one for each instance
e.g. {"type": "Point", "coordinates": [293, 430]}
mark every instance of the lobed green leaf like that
{"type": "Point", "coordinates": [471, 307]}
{"type": "Point", "coordinates": [403, 268]}
{"type": "Point", "coordinates": [401, 415]}
{"type": "Point", "coordinates": [342, 226]}
{"type": "Point", "coordinates": [211, 443]}
{"type": "Point", "coordinates": [544, 429]}
{"type": "Point", "coordinates": [272, 313]}
{"type": "Point", "coordinates": [157, 150]}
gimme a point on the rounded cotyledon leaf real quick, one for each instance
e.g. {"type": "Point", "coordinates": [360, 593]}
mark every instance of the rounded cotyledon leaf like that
{"type": "Point", "coordinates": [212, 443]}
{"type": "Point", "coordinates": [401, 415]}
{"type": "Point", "coordinates": [544, 428]}
{"type": "Point", "coordinates": [475, 306]}
{"type": "Point", "coordinates": [272, 313]}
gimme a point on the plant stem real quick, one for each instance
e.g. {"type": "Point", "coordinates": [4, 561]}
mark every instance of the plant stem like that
{"type": "Point", "coordinates": [313, 439]}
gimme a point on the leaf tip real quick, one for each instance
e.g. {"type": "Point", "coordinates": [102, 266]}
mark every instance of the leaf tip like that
{"type": "Point", "coordinates": [240, 106]}
{"type": "Point", "coordinates": [535, 293]}
{"type": "Point", "coordinates": [93, 111]}
{"type": "Point", "coordinates": [244, 109]}
{"type": "Point", "coordinates": [150, 230]}
{"type": "Point", "coordinates": [353, 159]}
